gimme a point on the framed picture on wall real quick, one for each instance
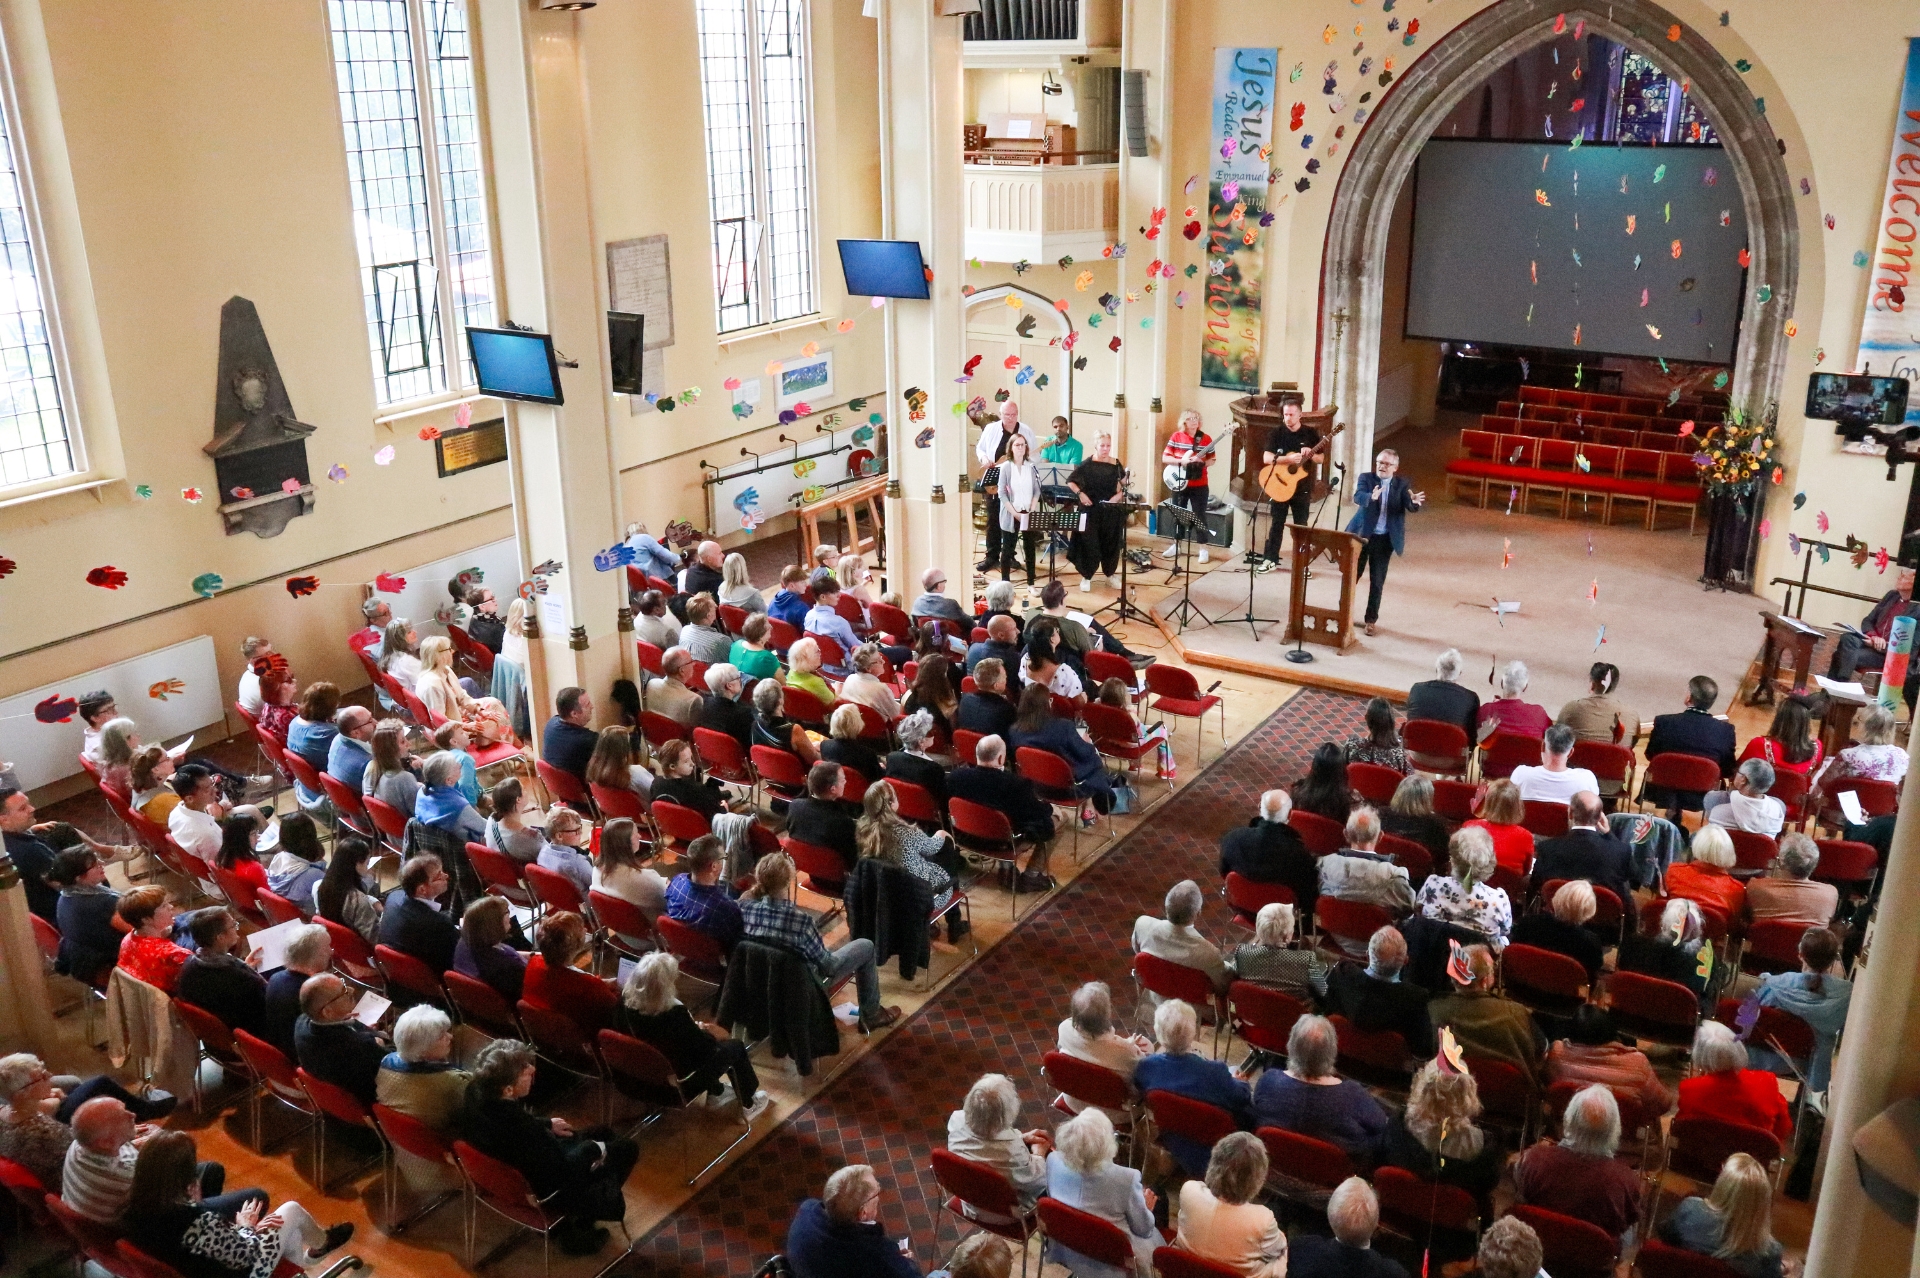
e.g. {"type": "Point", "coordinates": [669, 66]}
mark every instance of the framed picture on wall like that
{"type": "Point", "coordinates": [807, 380]}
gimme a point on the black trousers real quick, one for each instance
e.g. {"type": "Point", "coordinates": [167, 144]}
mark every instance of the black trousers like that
{"type": "Point", "coordinates": [1295, 510]}
{"type": "Point", "coordinates": [1195, 499]}
{"type": "Point", "coordinates": [1376, 556]}
{"type": "Point", "coordinates": [1009, 543]}
{"type": "Point", "coordinates": [1096, 552]}
{"type": "Point", "coordinates": [993, 530]}
{"type": "Point", "coordinates": [731, 1060]}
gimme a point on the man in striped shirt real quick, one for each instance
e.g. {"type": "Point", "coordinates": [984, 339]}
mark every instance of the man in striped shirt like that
{"type": "Point", "coordinates": [98, 1174]}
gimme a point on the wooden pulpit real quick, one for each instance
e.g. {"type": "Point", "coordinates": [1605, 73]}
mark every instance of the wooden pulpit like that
{"type": "Point", "coordinates": [1323, 546]}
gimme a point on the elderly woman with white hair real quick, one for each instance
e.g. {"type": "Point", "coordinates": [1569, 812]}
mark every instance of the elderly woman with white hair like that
{"type": "Point", "coordinates": [722, 710]}
{"type": "Point", "coordinates": [1510, 712]}
{"type": "Point", "coordinates": [699, 1051]}
{"type": "Point", "coordinates": [1464, 897]}
{"type": "Point", "coordinates": [1175, 939]}
{"type": "Point", "coordinates": [1580, 1177]}
{"type": "Point", "coordinates": [1563, 929]}
{"type": "Point", "coordinates": [1747, 806]}
{"type": "Point", "coordinates": [1179, 1069]}
{"type": "Point", "coordinates": [1081, 1173]}
{"type": "Point", "coordinates": [1000, 597]}
{"type": "Point", "coordinates": [1444, 698]}
{"type": "Point", "coordinates": [1310, 1098]}
{"type": "Point", "coordinates": [1873, 756]}
{"type": "Point", "coordinates": [1353, 1213]}
{"type": "Point", "coordinates": [1088, 1034]}
{"type": "Point", "coordinates": [1707, 876]}
{"type": "Point", "coordinates": [803, 669]}
{"type": "Point", "coordinates": [1674, 951]}
{"type": "Point", "coordinates": [1723, 1087]}
{"type": "Point", "coordinates": [1274, 960]}
{"type": "Point", "coordinates": [418, 1077]}
{"type": "Point", "coordinates": [983, 1129]}
{"type": "Point", "coordinates": [1221, 1216]}
{"type": "Point", "coordinates": [844, 746]}
{"type": "Point", "coordinates": [441, 804]}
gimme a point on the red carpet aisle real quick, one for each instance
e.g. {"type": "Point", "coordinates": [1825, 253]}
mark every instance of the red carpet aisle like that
{"type": "Point", "coordinates": [890, 1109]}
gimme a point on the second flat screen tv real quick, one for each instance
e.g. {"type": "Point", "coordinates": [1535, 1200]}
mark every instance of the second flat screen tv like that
{"type": "Point", "coordinates": [884, 268]}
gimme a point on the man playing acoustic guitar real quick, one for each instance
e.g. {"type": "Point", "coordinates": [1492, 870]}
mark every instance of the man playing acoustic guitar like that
{"type": "Point", "coordinates": [1290, 444]}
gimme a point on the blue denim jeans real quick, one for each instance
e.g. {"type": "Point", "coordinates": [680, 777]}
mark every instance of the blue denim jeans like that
{"type": "Point", "coordinates": [856, 956]}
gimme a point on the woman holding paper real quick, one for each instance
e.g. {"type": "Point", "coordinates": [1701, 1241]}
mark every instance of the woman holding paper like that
{"type": "Point", "coordinates": [1019, 493]}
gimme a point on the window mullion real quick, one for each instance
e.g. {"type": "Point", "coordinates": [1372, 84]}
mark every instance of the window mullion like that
{"type": "Point", "coordinates": [757, 162]}
{"type": "Point", "coordinates": [445, 318]}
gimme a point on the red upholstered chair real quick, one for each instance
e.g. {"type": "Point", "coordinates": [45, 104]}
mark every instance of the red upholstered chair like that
{"type": "Point", "coordinates": [832, 655]}
{"type": "Point", "coordinates": [405, 1132]}
{"type": "Point", "coordinates": [1374, 783]}
{"type": "Point", "coordinates": [501, 875]}
{"type": "Point", "coordinates": [1408, 855]}
{"type": "Point", "coordinates": [781, 772]}
{"type": "Point", "coordinates": [1090, 1084]}
{"type": "Point", "coordinates": [502, 1190]}
{"type": "Point", "coordinates": [341, 1105]}
{"type": "Point", "coordinates": [216, 1044]}
{"type": "Point", "coordinates": [1171, 980]}
{"type": "Point", "coordinates": [652, 657]}
{"type": "Point", "coordinates": [564, 786]}
{"type": "Point", "coordinates": [481, 1006]}
{"type": "Point", "coordinates": [348, 810]}
{"type": "Point", "coordinates": [405, 972]}
{"type": "Point", "coordinates": [1433, 746]}
{"type": "Point", "coordinates": [1544, 980]}
{"type": "Point", "coordinates": [1570, 1246]}
{"type": "Point", "coordinates": [639, 1071]}
{"type": "Point", "coordinates": [135, 1263]}
{"type": "Point", "coordinates": [559, 1038]}
{"type": "Point", "coordinates": [1656, 1259]}
{"type": "Point", "coordinates": [1502, 752]}
{"type": "Point", "coordinates": [1176, 1115]}
{"type": "Point", "coordinates": [1611, 765]}
{"type": "Point", "coordinates": [1089, 1235]}
{"type": "Point", "coordinates": [1352, 921]}
{"type": "Point", "coordinates": [803, 707]}
{"type": "Point", "coordinates": [874, 726]}
{"type": "Point", "coordinates": [723, 758]}
{"type": "Point", "coordinates": [986, 832]}
{"type": "Point", "coordinates": [1773, 945]}
{"type": "Point", "coordinates": [240, 895]}
{"type": "Point", "coordinates": [1295, 1159]}
{"type": "Point", "coordinates": [1262, 1016]}
{"type": "Point", "coordinates": [699, 953]}
{"type": "Point", "coordinates": [1376, 1057]}
{"type": "Point", "coordinates": [388, 821]}
{"type": "Point", "coordinates": [1507, 1096]}
{"type": "Point", "coordinates": [822, 871]}
{"type": "Point", "coordinates": [1698, 1147]}
{"type": "Point", "coordinates": [1177, 692]}
{"type": "Point", "coordinates": [277, 908]}
{"type": "Point", "coordinates": [352, 956]}
{"type": "Point", "coordinates": [1411, 1206]}
{"type": "Point", "coordinates": [619, 801]}
{"type": "Point", "coordinates": [1102, 666]}
{"type": "Point", "coordinates": [1246, 898]}
{"type": "Point", "coordinates": [1453, 800]}
{"type": "Point", "coordinates": [1681, 774]}
{"type": "Point", "coordinates": [915, 803]}
{"type": "Point", "coordinates": [970, 1183]}
{"type": "Point", "coordinates": [1847, 864]}
{"type": "Point", "coordinates": [1053, 780]}
{"type": "Point", "coordinates": [1175, 1262]}
{"type": "Point", "coordinates": [554, 890]}
{"type": "Point", "coordinates": [1115, 735]}
{"type": "Point", "coordinates": [1322, 835]}
{"type": "Point", "coordinates": [97, 1242]}
{"type": "Point", "coordinates": [1545, 819]}
{"type": "Point", "coordinates": [278, 1079]}
{"type": "Point", "coordinates": [628, 928]}
{"type": "Point", "coordinates": [964, 743]}
{"type": "Point", "coordinates": [658, 729]}
{"type": "Point", "coordinates": [1752, 852]}
{"type": "Point", "coordinates": [1664, 1011]}
{"type": "Point", "coordinates": [1792, 789]}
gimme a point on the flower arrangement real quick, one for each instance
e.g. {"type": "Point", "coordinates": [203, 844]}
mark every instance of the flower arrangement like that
{"type": "Point", "coordinates": [1737, 456]}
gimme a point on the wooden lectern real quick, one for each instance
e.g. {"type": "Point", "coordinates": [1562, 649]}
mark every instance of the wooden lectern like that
{"type": "Point", "coordinates": [1331, 626]}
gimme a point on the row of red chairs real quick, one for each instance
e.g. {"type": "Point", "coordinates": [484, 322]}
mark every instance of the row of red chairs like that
{"type": "Point", "coordinates": [1595, 429]}
{"type": "Point", "coordinates": [1553, 466]}
{"type": "Point", "coordinates": [1597, 401]}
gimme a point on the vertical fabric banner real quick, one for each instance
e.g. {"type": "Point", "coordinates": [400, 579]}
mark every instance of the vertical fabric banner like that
{"type": "Point", "coordinates": [1893, 673]}
{"type": "Point", "coordinates": [1889, 338]}
{"type": "Point", "coordinates": [1243, 96]}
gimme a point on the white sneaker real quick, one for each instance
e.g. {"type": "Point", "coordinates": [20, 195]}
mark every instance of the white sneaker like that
{"type": "Point", "coordinates": [1086, 584]}
{"type": "Point", "coordinates": [759, 1106]}
{"type": "Point", "coordinates": [1173, 548]}
{"type": "Point", "coordinates": [1113, 583]}
{"type": "Point", "coordinates": [1205, 558]}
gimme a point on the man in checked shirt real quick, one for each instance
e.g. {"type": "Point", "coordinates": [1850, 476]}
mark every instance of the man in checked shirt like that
{"type": "Point", "coordinates": [773, 919]}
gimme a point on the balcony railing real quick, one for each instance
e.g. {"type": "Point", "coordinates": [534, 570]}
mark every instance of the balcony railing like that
{"type": "Point", "coordinates": [1040, 212]}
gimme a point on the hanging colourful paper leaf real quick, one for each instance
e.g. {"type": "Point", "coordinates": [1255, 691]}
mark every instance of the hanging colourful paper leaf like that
{"type": "Point", "coordinates": [384, 457]}
{"type": "Point", "coordinates": [143, 491]}
{"type": "Point", "coordinates": [301, 587]}
{"type": "Point", "coordinates": [56, 709]}
{"type": "Point", "coordinates": [337, 473]}
{"type": "Point", "coordinates": [1820, 520]}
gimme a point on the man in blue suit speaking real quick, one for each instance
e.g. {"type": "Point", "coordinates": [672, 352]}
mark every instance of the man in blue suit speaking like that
{"type": "Point", "coordinates": [1383, 500]}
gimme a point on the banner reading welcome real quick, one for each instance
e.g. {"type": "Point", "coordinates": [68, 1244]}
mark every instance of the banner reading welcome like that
{"type": "Point", "coordinates": [1243, 96]}
{"type": "Point", "coordinates": [1889, 338]}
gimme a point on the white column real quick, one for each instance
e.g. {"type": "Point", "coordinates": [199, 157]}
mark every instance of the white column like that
{"type": "Point", "coordinates": [566, 495]}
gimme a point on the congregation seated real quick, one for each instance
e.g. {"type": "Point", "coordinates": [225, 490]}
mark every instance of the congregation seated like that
{"type": "Point", "coordinates": [678, 780]}
{"type": "Point", "coordinates": [89, 941]}
{"type": "Point", "coordinates": [351, 751]}
{"type": "Point", "coordinates": [1872, 756]}
{"type": "Point", "coordinates": [1271, 959]}
{"type": "Point", "coordinates": [1088, 1034]}
{"type": "Point", "coordinates": [577, 1175]}
{"type": "Point", "coordinates": [1789, 744]}
{"type": "Point", "coordinates": [752, 653]}
{"type": "Point", "coordinates": [1043, 661]}
{"type": "Point", "coordinates": [148, 952]}
{"type": "Point", "coordinates": [736, 587]}
{"type": "Point", "coordinates": [700, 1052]}
{"type": "Point", "coordinates": [983, 1130]}
{"type": "Point", "coordinates": [413, 921]}
{"type": "Point", "coordinates": [1268, 850]}
{"type": "Point", "coordinates": [1787, 893]}
{"type": "Point", "coordinates": [1511, 713]}
{"type": "Point", "coordinates": [309, 952]}
{"type": "Point", "coordinates": [1600, 715]}
{"type": "Point", "coordinates": [556, 984]}
{"type": "Point", "coordinates": [97, 1176]}
{"type": "Point", "coordinates": [1435, 1137]}
{"type": "Point", "coordinates": [839, 1233]}
{"type": "Point", "coordinates": [864, 686]}
{"type": "Point", "coordinates": [934, 692]}
{"type": "Point", "coordinates": [698, 898]}
{"type": "Point", "coordinates": [1311, 1098]}
{"type": "Point", "coordinates": [1002, 644]}
{"type": "Point", "coordinates": [1733, 1223]}
{"type": "Point", "coordinates": [240, 832]}
{"type": "Point", "coordinates": [341, 896]}
{"type": "Point", "coordinates": [882, 835]}
{"type": "Point", "coordinates": [458, 700]}
{"type": "Point", "coordinates": [1180, 1069]}
{"type": "Point", "coordinates": [389, 776]}
{"type": "Point", "coordinates": [845, 747]}
{"type": "Point", "coordinates": [1375, 998]}
{"type": "Point", "coordinates": [1563, 928]}
{"type": "Point", "coordinates": [37, 1108]}
{"type": "Point", "coordinates": [1707, 875]}
{"type": "Point", "coordinates": [1444, 698]}
{"type": "Point", "coordinates": [483, 952]}
{"type": "Point", "coordinates": [933, 600]}
{"type": "Point", "coordinates": [986, 709]}
{"type": "Point", "coordinates": [772, 918]}
{"type": "Point", "coordinates": [1353, 1213]}
{"type": "Point", "coordinates": [625, 868]}
{"type": "Point", "coordinates": [1410, 816]}
{"type": "Point", "coordinates": [231, 1236]}
{"type": "Point", "coordinates": [1586, 851]}
{"type": "Point", "coordinates": [442, 804]}
{"type": "Point", "coordinates": [299, 862]}
{"type": "Point", "coordinates": [1324, 791]}
{"type": "Point", "coordinates": [722, 710]}
{"type": "Point", "coordinates": [803, 670]}
{"type": "Point", "coordinates": [399, 652]}
{"type": "Point", "coordinates": [218, 980]}
{"type": "Point", "coordinates": [1695, 730]}
{"type": "Point", "coordinates": [1724, 1088]}
{"type": "Point", "coordinates": [1676, 951]}
{"type": "Point", "coordinates": [912, 763]}
{"type": "Point", "coordinates": [614, 765]}
{"type": "Point", "coordinates": [825, 620]}
{"type": "Point", "coordinates": [1081, 1172]}
{"type": "Point", "coordinates": [310, 736]}
{"type": "Point", "coordinates": [1580, 1176]}
{"type": "Point", "coordinates": [1037, 727]}
{"type": "Point", "coordinates": [1221, 1216]}
{"type": "Point", "coordinates": [822, 816]}
{"type": "Point", "coordinates": [565, 851]}
{"type": "Point", "coordinates": [333, 1046]}
{"type": "Point", "coordinates": [1593, 1053]}
{"type": "Point", "coordinates": [772, 728]}
{"type": "Point", "coordinates": [1500, 814]}
{"type": "Point", "coordinates": [987, 782]}
{"type": "Point", "coordinates": [1552, 780]}
{"type": "Point", "coordinates": [1508, 1249]}
{"type": "Point", "coordinates": [1176, 939]}
{"type": "Point", "coordinates": [1818, 995]}
{"type": "Point", "coordinates": [704, 574]}
{"type": "Point", "coordinates": [703, 637]}
{"type": "Point", "coordinates": [673, 693]}
{"type": "Point", "coordinates": [1462, 896]}
{"type": "Point", "coordinates": [1747, 806]}
{"type": "Point", "coordinates": [1358, 873]}
{"type": "Point", "coordinates": [1381, 744]}
{"type": "Point", "coordinates": [194, 822]}
{"type": "Point", "coordinates": [419, 1077]}
{"type": "Point", "coordinates": [1483, 1022]}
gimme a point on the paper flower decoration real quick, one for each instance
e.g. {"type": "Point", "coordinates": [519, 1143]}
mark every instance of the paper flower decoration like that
{"type": "Point", "coordinates": [384, 457]}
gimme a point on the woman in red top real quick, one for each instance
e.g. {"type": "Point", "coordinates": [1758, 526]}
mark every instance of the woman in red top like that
{"type": "Point", "coordinates": [148, 952]}
{"type": "Point", "coordinates": [277, 708]}
{"type": "Point", "coordinates": [1501, 813]}
{"type": "Point", "coordinates": [1705, 878]}
{"type": "Point", "coordinates": [1789, 745]}
{"type": "Point", "coordinates": [553, 982]}
{"type": "Point", "coordinates": [1727, 1090]}
{"type": "Point", "coordinates": [1508, 713]}
{"type": "Point", "coordinates": [239, 835]}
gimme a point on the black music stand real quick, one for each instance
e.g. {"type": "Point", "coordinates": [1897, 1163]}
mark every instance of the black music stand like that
{"type": "Point", "coordinates": [1252, 558]}
{"type": "Point", "coordinates": [1186, 526]}
{"type": "Point", "coordinates": [1052, 520]}
{"type": "Point", "coordinates": [1123, 608]}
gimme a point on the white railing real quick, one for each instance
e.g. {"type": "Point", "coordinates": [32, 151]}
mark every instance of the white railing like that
{"type": "Point", "coordinates": [1040, 213]}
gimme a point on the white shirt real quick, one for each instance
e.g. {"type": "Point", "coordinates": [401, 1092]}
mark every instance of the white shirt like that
{"type": "Point", "coordinates": [991, 436]}
{"type": "Point", "coordinates": [406, 669]}
{"type": "Point", "coordinates": [1065, 683]}
{"type": "Point", "coordinates": [195, 831]}
{"type": "Point", "coordinates": [1542, 786]}
{"type": "Point", "coordinates": [1764, 815]}
{"type": "Point", "coordinates": [249, 698]}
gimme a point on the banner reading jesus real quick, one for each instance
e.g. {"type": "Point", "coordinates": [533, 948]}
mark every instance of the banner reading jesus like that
{"type": "Point", "coordinates": [1243, 96]}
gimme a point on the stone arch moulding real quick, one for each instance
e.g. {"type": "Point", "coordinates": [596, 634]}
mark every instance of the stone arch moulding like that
{"type": "Point", "coordinates": [1038, 304]}
{"type": "Point", "coordinates": [1353, 259]}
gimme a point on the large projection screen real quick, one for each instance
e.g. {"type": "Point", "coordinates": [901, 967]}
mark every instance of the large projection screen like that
{"type": "Point", "coordinates": [1492, 263]}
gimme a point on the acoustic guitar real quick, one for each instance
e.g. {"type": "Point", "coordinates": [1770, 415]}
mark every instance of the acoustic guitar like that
{"type": "Point", "coordinates": [1280, 481]}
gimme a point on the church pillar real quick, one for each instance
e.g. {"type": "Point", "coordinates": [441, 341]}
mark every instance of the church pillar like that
{"type": "Point", "coordinates": [921, 118]}
{"type": "Point", "coordinates": [566, 497]}
{"type": "Point", "coordinates": [1873, 1068]}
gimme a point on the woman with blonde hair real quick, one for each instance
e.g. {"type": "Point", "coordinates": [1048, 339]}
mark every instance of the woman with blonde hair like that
{"type": "Point", "coordinates": [803, 669]}
{"type": "Point", "coordinates": [736, 587]}
{"type": "Point", "coordinates": [1435, 1137]}
{"type": "Point", "coordinates": [389, 778]}
{"type": "Point", "coordinates": [1222, 1218]}
{"type": "Point", "coordinates": [1081, 1173]}
{"type": "Point", "coordinates": [1733, 1223]}
{"type": "Point", "coordinates": [1874, 756]}
{"type": "Point", "coordinates": [700, 1052]}
{"type": "Point", "coordinates": [118, 740]}
{"type": "Point", "coordinates": [1707, 876]}
{"type": "Point", "coordinates": [1501, 814]}
{"type": "Point", "coordinates": [931, 858]}
{"type": "Point", "coordinates": [844, 746]}
{"type": "Point", "coordinates": [483, 717]}
{"type": "Point", "coordinates": [1410, 816]}
{"type": "Point", "coordinates": [1463, 896]}
{"type": "Point", "coordinates": [1674, 951]}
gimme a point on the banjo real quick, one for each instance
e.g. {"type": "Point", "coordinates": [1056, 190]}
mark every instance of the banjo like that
{"type": "Point", "coordinates": [1280, 480]}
